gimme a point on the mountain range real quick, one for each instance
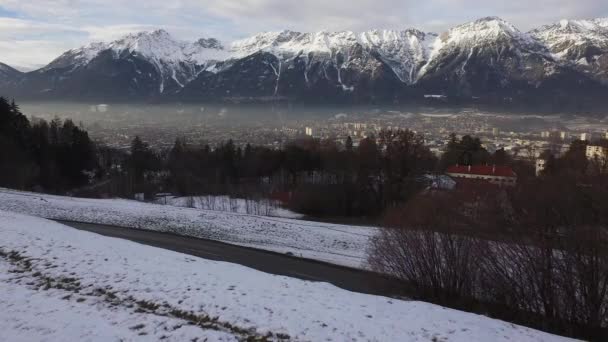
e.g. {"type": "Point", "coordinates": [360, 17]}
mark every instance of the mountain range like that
{"type": "Point", "coordinates": [488, 60]}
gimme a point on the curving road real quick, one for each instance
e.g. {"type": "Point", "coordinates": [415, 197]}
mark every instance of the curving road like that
{"type": "Point", "coordinates": [265, 261]}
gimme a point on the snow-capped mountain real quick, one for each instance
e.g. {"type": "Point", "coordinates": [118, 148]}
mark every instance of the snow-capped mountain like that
{"type": "Point", "coordinates": [404, 51]}
{"type": "Point", "coordinates": [174, 63]}
{"type": "Point", "coordinates": [581, 43]}
{"type": "Point", "coordinates": [142, 65]}
{"type": "Point", "coordinates": [487, 59]}
{"type": "Point", "coordinates": [321, 65]}
{"type": "Point", "coordinates": [157, 46]}
{"type": "Point", "coordinates": [485, 56]}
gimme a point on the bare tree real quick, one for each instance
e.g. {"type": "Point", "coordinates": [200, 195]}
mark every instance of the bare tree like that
{"type": "Point", "coordinates": [424, 245]}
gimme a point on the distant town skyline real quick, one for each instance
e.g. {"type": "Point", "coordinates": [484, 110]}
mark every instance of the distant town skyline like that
{"type": "Point", "coordinates": [34, 32]}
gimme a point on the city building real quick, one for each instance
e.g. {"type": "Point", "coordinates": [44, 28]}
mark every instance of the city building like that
{"type": "Point", "coordinates": [596, 151]}
{"type": "Point", "coordinates": [541, 164]}
{"type": "Point", "coordinates": [584, 136]}
{"type": "Point", "coordinates": [497, 175]}
{"type": "Point", "coordinates": [309, 131]}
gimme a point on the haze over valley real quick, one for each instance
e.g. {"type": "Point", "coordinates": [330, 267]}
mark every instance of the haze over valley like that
{"type": "Point", "coordinates": [275, 125]}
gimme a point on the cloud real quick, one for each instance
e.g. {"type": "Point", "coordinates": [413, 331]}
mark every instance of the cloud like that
{"type": "Point", "coordinates": [25, 54]}
{"type": "Point", "coordinates": [14, 27]}
{"type": "Point", "coordinates": [112, 32]}
{"type": "Point", "coordinates": [57, 24]}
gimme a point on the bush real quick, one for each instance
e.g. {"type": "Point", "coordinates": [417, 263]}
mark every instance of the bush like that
{"type": "Point", "coordinates": [532, 255]}
{"type": "Point", "coordinates": [424, 245]}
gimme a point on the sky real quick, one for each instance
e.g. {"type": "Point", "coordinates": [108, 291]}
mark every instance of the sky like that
{"type": "Point", "coordinates": [34, 32]}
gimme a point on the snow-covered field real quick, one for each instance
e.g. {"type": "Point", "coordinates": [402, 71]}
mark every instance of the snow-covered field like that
{"type": "Point", "coordinates": [338, 244]}
{"type": "Point", "coordinates": [259, 207]}
{"type": "Point", "coordinates": [61, 284]}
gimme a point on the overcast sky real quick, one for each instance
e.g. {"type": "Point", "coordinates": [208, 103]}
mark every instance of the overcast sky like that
{"type": "Point", "coordinates": [33, 32]}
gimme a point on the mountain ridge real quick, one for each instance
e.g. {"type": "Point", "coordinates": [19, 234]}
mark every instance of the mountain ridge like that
{"type": "Point", "coordinates": [8, 74]}
{"type": "Point", "coordinates": [482, 59]}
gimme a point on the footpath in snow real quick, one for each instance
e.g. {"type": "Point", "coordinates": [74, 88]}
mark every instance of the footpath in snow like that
{"type": "Point", "coordinates": [338, 244]}
{"type": "Point", "coordinates": [62, 284]}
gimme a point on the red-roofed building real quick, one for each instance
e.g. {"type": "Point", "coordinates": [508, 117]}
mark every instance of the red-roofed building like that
{"type": "Point", "coordinates": [498, 175]}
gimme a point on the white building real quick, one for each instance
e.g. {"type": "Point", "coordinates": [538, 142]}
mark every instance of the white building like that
{"type": "Point", "coordinates": [309, 131]}
{"type": "Point", "coordinates": [599, 152]}
{"type": "Point", "coordinates": [584, 136]}
{"type": "Point", "coordinates": [541, 164]}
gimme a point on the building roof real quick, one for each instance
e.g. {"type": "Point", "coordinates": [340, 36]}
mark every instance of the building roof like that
{"type": "Point", "coordinates": [482, 170]}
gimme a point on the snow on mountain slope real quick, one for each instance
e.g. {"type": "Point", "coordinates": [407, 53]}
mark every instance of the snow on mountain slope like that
{"type": "Point", "coordinates": [174, 60]}
{"type": "Point", "coordinates": [205, 51]}
{"type": "Point", "coordinates": [486, 58]}
{"type": "Point", "coordinates": [483, 30]}
{"type": "Point", "coordinates": [157, 45]}
{"type": "Point", "coordinates": [160, 46]}
{"type": "Point", "coordinates": [75, 58]}
{"type": "Point", "coordinates": [583, 43]}
{"type": "Point", "coordinates": [491, 33]}
{"type": "Point", "coordinates": [402, 50]}
{"type": "Point", "coordinates": [568, 38]}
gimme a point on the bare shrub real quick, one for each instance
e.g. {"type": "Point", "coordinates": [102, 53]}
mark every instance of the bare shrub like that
{"type": "Point", "coordinates": [554, 265]}
{"type": "Point", "coordinates": [583, 281]}
{"type": "Point", "coordinates": [423, 245]}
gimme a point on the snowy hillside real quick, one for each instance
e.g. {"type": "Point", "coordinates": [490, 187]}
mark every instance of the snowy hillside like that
{"type": "Point", "coordinates": [338, 244]}
{"type": "Point", "coordinates": [61, 284]}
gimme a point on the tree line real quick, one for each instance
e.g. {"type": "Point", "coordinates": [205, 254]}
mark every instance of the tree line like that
{"type": "Point", "coordinates": [322, 177]}
{"type": "Point", "coordinates": [53, 157]}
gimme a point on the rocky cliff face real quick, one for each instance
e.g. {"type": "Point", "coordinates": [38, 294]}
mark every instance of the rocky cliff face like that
{"type": "Point", "coordinates": [580, 44]}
